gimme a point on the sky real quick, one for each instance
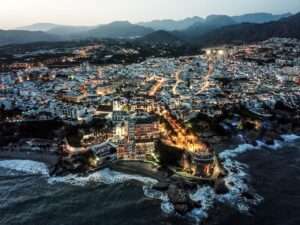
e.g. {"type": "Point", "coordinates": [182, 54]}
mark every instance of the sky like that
{"type": "Point", "coordinates": [15, 13]}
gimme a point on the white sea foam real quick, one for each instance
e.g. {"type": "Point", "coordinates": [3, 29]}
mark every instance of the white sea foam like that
{"type": "Point", "coordinates": [275, 146]}
{"type": "Point", "coordinates": [237, 177]}
{"type": "Point", "coordinates": [231, 153]}
{"type": "Point", "coordinates": [105, 176]}
{"type": "Point", "coordinates": [151, 193]}
{"type": "Point", "coordinates": [205, 195]}
{"type": "Point", "coordinates": [167, 207]}
{"type": "Point", "coordinates": [25, 166]}
{"type": "Point", "coordinates": [236, 181]}
{"type": "Point", "coordinates": [290, 137]}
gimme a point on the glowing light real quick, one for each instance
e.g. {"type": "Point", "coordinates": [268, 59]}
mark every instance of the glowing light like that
{"type": "Point", "coordinates": [182, 137]}
{"type": "Point", "coordinates": [221, 52]}
{"type": "Point", "coordinates": [156, 87]}
{"type": "Point", "coordinates": [178, 81]}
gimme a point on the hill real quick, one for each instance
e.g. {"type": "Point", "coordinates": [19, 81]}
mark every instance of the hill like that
{"type": "Point", "coordinates": [180, 25]}
{"type": "Point", "coordinates": [171, 25]}
{"type": "Point", "coordinates": [69, 30]}
{"type": "Point", "coordinates": [160, 36]}
{"type": "Point", "coordinates": [259, 17]}
{"type": "Point", "coordinates": [21, 37]}
{"type": "Point", "coordinates": [120, 29]}
{"type": "Point", "coordinates": [211, 23]}
{"type": "Point", "coordinates": [215, 29]}
{"type": "Point", "coordinates": [39, 27]}
{"type": "Point", "coordinates": [57, 29]}
{"type": "Point", "coordinates": [251, 32]}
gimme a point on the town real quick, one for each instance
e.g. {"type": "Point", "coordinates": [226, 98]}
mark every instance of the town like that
{"type": "Point", "coordinates": [172, 112]}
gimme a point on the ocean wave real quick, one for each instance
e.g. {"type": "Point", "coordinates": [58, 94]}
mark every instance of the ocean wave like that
{"type": "Point", "coordinates": [237, 181]}
{"type": "Point", "coordinates": [166, 206]}
{"type": "Point", "coordinates": [242, 148]}
{"type": "Point", "coordinates": [151, 193]}
{"type": "Point", "coordinates": [231, 153]}
{"type": "Point", "coordinates": [237, 178]}
{"type": "Point", "coordinates": [105, 176]}
{"type": "Point", "coordinates": [290, 137]}
{"type": "Point", "coordinates": [205, 195]}
{"type": "Point", "coordinates": [275, 146]}
{"type": "Point", "coordinates": [25, 166]}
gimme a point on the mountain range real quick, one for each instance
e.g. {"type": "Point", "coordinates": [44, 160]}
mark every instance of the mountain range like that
{"type": "Point", "coordinates": [214, 29]}
{"type": "Point", "coordinates": [211, 23]}
{"type": "Point", "coordinates": [119, 29]}
{"type": "Point", "coordinates": [171, 25]}
{"type": "Point", "coordinates": [250, 32]}
{"type": "Point", "coordinates": [21, 37]}
{"type": "Point", "coordinates": [39, 27]}
{"type": "Point", "coordinates": [161, 36]}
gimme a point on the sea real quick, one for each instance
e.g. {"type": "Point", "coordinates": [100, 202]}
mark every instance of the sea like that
{"type": "Point", "coordinates": [268, 174]}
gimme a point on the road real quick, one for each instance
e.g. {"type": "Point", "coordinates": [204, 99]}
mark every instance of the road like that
{"type": "Point", "coordinates": [178, 81]}
{"type": "Point", "coordinates": [157, 87]}
{"type": "Point", "coordinates": [206, 82]}
{"type": "Point", "coordinates": [183, 139]}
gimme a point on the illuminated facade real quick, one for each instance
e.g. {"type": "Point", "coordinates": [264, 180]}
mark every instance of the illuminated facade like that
{"type": "Point", "coordinates": [143, 132]}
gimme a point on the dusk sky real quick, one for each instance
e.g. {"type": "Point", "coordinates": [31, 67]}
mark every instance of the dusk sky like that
{"type": "Point", "coordinates": [14, 13]}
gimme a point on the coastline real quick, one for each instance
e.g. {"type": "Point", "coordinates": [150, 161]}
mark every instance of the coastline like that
{"type": "Point", "coordinates": [51, 160]}
{"type": "Point", "coordinates": [175, 193]}
{"type": "Point", "coordinates": [140, 167]}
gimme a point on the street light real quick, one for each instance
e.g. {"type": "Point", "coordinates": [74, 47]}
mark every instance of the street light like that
{"type": "Point", "coordinates": [221, 52]}
{"type": "Point", "coordinates": [208, 52]}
